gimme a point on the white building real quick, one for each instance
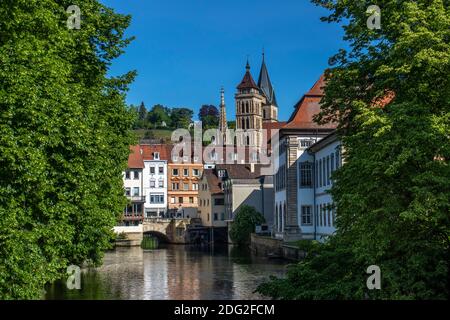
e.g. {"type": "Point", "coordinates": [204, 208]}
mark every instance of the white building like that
{"type": "Point", "coordinates": [295, 196]}
{"type": "Point", "coordinates": [155, 159]}
{"type": "Point", "coordinates": [133, 180]}
{"type": "Point", "coordinates": [316, 214]}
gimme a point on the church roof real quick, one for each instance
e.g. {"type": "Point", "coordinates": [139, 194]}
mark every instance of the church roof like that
{"type": "Point", "coordinates": [247, 82]}
{"type": "Point", "coordinates": [265, 85]}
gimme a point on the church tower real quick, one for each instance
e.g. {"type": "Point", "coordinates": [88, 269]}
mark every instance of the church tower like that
{"type": "Point", "coordinates": [249, 111]}
{"type": "Point", "coordinates": [223, 127]}
{"type": "Point", "coordinates": [270, 107]}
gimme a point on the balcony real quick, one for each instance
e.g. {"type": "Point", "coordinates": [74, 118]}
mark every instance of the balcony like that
{"type": "Point", "coordinates": [136, 198]}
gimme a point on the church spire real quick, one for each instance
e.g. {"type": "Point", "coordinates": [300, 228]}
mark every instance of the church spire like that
{"type": "Point", "coordinates": [247, 82]}
{"type": "Point", "coordinates": [264, 83]}
{"type": "Point", "coordinates": [223, 115]}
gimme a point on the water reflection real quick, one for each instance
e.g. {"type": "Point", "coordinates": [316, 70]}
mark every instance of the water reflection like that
{"type": "Point", "coordinates": [174, 272]}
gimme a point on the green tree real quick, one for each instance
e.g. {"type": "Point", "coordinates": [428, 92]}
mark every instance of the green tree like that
{"type": "Point", "coordinates": [244, 224]}
{"type": "Point", "coordinates": [142, 116]}
{"type": "Point", "coordinates": [64, 140]}
{"type": "Point", "coordinates": [158, 115]}
{"type": "Point", "coordinates": [181, 118]}
{"type": "Point", "coordinates": [209, 116]}
{"type": "Point", "coordinates": [391, 98]}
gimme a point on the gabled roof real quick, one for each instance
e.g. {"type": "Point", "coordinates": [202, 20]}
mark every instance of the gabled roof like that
{"type": "Point", "coordinates": [213, 181]}
{"type": "Point", "coordinates": [148, 151]}
{"type": "Point", "coordinates": [307, 108]}
{"type": "Point", "coordinates": [247, 82]}
{"type": "Point", "coordinates": [135, 160]}
{"type": "Point", "coordinates": [265, 85]}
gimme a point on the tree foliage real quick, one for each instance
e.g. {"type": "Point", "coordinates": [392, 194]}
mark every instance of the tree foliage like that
{"type": "Point", "coordinates": [244, 224]}
{"type": "Point", "coordinates": [64, 139]}
{"type": "Point", "coordinates": [181, 118]}
{"type": "Point", "coordinates": [209, 116]}
{"type": "Point", "coordinates": [390, 95]}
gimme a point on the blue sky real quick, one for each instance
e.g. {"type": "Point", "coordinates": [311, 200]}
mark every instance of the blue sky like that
{"type": "Point", "coordinates": [186, 50]}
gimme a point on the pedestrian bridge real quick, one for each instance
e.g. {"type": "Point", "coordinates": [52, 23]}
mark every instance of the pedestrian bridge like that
{"type": "Point", "coordinates": [166, 230]}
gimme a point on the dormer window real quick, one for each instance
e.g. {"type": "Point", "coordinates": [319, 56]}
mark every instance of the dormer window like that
{"type": "Point", "coordinates": [156, 155]}
{"type": "Point", "coordinates": [221, 173]}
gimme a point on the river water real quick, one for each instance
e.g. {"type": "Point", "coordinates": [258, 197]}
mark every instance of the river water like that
{"type": "Point", "coordinates": [173, 272]}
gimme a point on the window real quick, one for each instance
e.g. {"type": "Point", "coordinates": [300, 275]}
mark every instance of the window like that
{"type": "Point", "coordinates": [175, 172]}
{"type": "Point", "coordinates": [328, 170]}
{"type": "Point", "coordinates": [332, 162]}
{"type": "Point", "coordinates": [128, 192]}
{"type": "Point", "coordinates": [221, 173]}
{"type": "Point", "coordinates": [196, 172]}
{"type": "Point", "coordinates": [320, 173]}
{"type": "Point", "coordinates": [305, 174]}
{"type": "Point", "coordinates": [156, 198]}
{"type": "Point", "coordinates": [161, 169]}
{"type": "Point", "coordinates": [172, 200]}
{"type": "Point", "coordinates": [161, 183]}
{"type": "Point", "coordinates": [175, 186]}
{"type": "Point", "coordinates": [180, 199]}
{"type": "Point", "coordinates": [324, 176]}
{"type": "Point", "coordinates": [152, 170]}
{"type": "Point", "coordinates": [306, 215]}
{"type": "Point", "coordinates": [127, 175]}
{"type": "Point", "coordinates": [207, 217]}
{"type": "Point", "coordinates": [324, 215]}
{"type": "Point", "coordinates": [185, 186]}
{"type": "Point", "coordinates": [156, 156]}
{"type": "Point", "coordinates": [305, 143]}
{"type": "Point", "coordinates": [337, 159]}
{"type": "Point", "coordinates": [135, 191]}
{"type": "Point", "coordinates": [216, 217]}
{"type": "Point", "coordinates": [316, 174]}
{"type": "Point", "coordinates": [219, 202]}
{"type": "Point", "coordinates": [222, 216]}
{"type": "Point", "coordinates": [329, 215]}
{"type": "Point", "coordinates": [136, 175]}
{"type": "Point", "coordinates": [320, 215]}
{"type": "Point", "coordinates": [191, 200]}
{"type": "Point", "coordinates": [185, 172]}
{"type": "Point", "coordinates": [152, 183]}
{"type": "Point", "coordinates": [195, 186]}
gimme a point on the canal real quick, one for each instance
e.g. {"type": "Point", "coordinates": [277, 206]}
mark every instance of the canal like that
{"type": "Point", "coordinates": [173, 272]}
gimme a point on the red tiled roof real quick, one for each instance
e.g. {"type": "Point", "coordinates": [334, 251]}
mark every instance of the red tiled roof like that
{"type": "Point", "coordinates": [247, 82]}
{"type": "Point", "coordinates": [135, 160]}
{"type": "Point", "coordinates": [148, 151]}
{"type": "Point", "coordinates": [307, 108]}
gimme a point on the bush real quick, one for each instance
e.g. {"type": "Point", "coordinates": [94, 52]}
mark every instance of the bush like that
{"type": "Point", "coordinates": [244, 224]}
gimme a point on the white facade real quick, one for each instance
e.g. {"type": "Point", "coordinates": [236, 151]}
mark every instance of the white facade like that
{"type": "Point", "coordinates": [155, 187]}
{"type": "Point", "coordinates": [316, 214]}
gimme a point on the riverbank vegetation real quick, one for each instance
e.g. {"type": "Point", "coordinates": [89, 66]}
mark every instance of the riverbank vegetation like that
{"type": "Point", "coordinates": [391, 98]}
{"type": "Point", "coordinates": [65, 133]}
{"type": "Point", "coordinates": [245, 221]}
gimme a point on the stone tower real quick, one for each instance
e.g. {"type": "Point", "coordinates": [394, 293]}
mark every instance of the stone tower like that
{"type": "Point", "coordinates": [249, 111]}
{"type": "Point", "coordinates": [270, 107]}
{"type": "Point", "coordinates": [223, 117]}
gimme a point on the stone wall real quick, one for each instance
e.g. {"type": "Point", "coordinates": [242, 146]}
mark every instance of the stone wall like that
{"type": "Point", "coordinates": [266, 246]}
